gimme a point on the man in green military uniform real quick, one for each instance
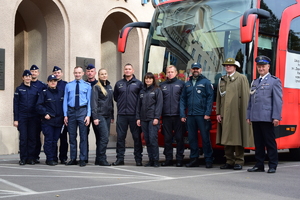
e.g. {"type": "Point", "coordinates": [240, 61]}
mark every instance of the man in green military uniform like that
{"type": "Point", "coordinates": [233, 131]}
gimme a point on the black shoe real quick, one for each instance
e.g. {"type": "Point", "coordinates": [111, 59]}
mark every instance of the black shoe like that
{"type": "Point", "coordinates": [138, 163]}
{"type": "Point", "coordinates": [82, 163]}
{"type": "Point", "coordinates": [97, 162]}
{"type": "Point", "coordinates": [149, 164]}
{"type": "Point", "coordinates": [237, 167]}
{"type": "Point", "coordinates": [51, 163]}
{"type": "Point", "coordinates": [208, 165]}
{"type": "Point", "coordinates": [63, 161]}
{"type": "Point", "coordinates": [179, 163]}
{"type": "Point", "coordinates": [167, 163]}
{"type": "Point", "coordinates": [37, 161]}
{"type": "Point", "coordinates": [86, 161]}
{"type": "Point", "coordinates": [72, 162]}
{"type": "Point", "coordinates": [22, 162]}
{"type": "Point", "coordinates": [255, 169]}
{"type": "Point", "coordinates": [118, 162]}
{"type": "Point", "coordinates": [194, 162]}
{"type": "Point", "coordinates": [156, 163]}
{"type": "Point", "coordinates": [226, 166]}
{"type": "Point", "coordinates": [104, 163]}
{"type": "Point", "coordinates": [30, 162]}
{"type": "Point", "coordinates": [272, 170]}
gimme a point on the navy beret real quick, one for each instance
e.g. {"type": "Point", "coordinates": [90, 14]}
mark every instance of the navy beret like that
{"type": "Point", "coordinates": [262, 60]}
{"type": "Point", "coordinates": [34, 67]}
{"type": "Point", "coordinates": [52, 77]}
{"type": "Point", "coordinates": [90, 66]}
{"type": "Point", "coordinates": [55, 68]}
{"type": "Point", "coordinates": [196, 65]}
{"type": "Point", "coordinates": [26, 73]}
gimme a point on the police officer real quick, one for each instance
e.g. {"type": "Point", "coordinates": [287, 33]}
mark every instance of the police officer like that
{"type": "Point", "coordinates": [63, 138]}
{"type": "Point", "coordinates": [50, 107]}
{"type": "Point", "coordinates": [41, 86]}
{"type": "Point", "coordinates": [91, 73]}
{"type": "Point", "coordinates": [77, 112]}
{"type": "Point", "coordinates": [264, 113]}
{"type": "Point", "coordinates": [171, 90]}
{"type": "Point", "coordinates": [126, 93]}
{"type": "Point", "coordinates": [197, 98]}
{"type": "Point", "coordinates": [25, 118]}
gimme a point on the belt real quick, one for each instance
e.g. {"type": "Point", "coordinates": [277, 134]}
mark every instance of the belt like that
{"type": "Point", "coordinates": [75, 108]}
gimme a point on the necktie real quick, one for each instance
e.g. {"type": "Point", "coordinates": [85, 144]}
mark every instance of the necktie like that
{"type": "Point", "coordinates": [259, 80]}
{"type": "Point", "coordinates": [77, 96]}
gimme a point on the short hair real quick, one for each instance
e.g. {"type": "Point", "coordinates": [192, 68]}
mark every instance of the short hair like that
{"type": "Point", "coordinates": [78, 67]}
{"type": "Point", "coordinates": [128, 64]}
{"type": "Point", "coordinates": [171, 66]}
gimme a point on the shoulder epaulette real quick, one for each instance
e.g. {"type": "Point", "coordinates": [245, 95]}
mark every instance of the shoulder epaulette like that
{"type": "Point", "coordinates": [274, 77]}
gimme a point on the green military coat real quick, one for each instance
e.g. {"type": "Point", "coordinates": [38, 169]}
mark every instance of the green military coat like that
{"type": "Point", "coordinates": [232, 102]}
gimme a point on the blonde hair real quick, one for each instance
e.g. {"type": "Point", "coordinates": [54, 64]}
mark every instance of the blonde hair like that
{"type": "Point", "coordinates": [103, 90]}
{"type": "Point", "coordinates": [171, 66]}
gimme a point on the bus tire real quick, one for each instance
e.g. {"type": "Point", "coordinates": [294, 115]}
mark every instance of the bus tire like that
{"type": "Point", "coordinates": [295, 154]}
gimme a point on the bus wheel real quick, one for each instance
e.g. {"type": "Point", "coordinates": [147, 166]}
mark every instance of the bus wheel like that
{"type": "Point", "coordinates": [295, 154]}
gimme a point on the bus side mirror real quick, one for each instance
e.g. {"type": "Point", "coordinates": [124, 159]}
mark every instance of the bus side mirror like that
{"type": "Point", "coordinates": [122, 40]}
{"type": "Point", "coordinates": [247, 31]}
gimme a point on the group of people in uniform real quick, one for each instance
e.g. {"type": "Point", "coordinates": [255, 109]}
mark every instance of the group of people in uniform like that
{"type": "Point", "coordinates": [60, 107]}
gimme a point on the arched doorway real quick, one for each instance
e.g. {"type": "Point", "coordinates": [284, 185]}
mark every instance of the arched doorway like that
{"type": "Point", "coordinates": [39, 38]}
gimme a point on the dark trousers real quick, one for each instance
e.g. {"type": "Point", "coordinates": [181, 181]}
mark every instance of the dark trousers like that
{"type": "Point", "coordinates": [63, 147]}
{"type": "Point", "coordinates": [96, 132]}
{"type": "Point", "coordinates": [51, 134]}
{"type": "Point", "coordinates": [171, 124]}
{"type": "Point", "coordinates": [151, 134]}
{"type": "Point", "coordinates": [103, 130]}
{"type": "Point", "coordinates": [38, 141]}
{"type": "Point", "coordinates": [195, 122]}
{"type": "Point", "coordinates": [264, 137]}
{"type": "Point", "coordinates": [27, 145]}
{"type": "Point", "coordinates": [122, 126]}
{"type": "Point", "coordinates": [76, 119]}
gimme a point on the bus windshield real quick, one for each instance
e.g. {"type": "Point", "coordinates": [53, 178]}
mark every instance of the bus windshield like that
{"type": "Point", "coordinates": [190, 31]}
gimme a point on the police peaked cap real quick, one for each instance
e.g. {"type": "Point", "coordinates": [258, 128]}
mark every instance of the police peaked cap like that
{"type": "Point", "coordinates": [90, 66]}
{"type": "Point", "coordinates": [262, 60]}
{"type": "Point", "coordinates": [34, 67]}
{"type": "Point", "coordinates": [55, 68]}
{"type": "Point", "coordinates": [26, 73]}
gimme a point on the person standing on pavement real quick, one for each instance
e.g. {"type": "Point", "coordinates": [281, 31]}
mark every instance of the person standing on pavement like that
{"type": "Point", "coordinates": [41, 86]}
{"type": "Point", "coordinates": [148, 112]}
{"type": "Point", "coordinates": [50, 108]}
{"type": "Point", "coordinates": [126, 92]}
{"type": "Point", "coordinates": [197, 98]}
{"type": "Point", "coordinates": [25, 118]}
{"type": "Point", "coordinates": [63, 137]}
{"type": "Point", "coordinates": [91, 78]}
{"type": "Point", "coordinates": [102, 114]}
{"type": "Point", "coordinates": [233, 131]}
{"type": "Point", "coordinates": [264, 113]}
{"type": "Point", "coordinates": [171, 90]}
{"type": "Point", "coordinates": [77, 112]}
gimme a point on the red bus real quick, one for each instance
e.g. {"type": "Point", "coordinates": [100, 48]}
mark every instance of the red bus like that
{"type": "Point", "coordinates": [209, 31]}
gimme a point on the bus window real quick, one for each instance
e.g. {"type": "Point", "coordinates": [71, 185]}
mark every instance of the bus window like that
{"type": "Point", "coordinates": [267, 46]}
{"type": "Point", "coordinates": [294, 36]}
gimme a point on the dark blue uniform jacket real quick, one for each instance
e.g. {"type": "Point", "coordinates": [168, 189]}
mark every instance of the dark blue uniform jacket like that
{"type": "Point", "coordinates": [25, 99]}
{"type": "Point", "coordinates": [51, 102]}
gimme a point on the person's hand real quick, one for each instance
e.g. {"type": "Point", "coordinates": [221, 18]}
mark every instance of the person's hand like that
{"type": "Point", "coordinates": [66, 121]}
{"type": "Point", "coordinates": [206, 117]}
{"type": "Point", "coordinates": [155, 122]}
{"type": "Point", "coordinates": [219, 118]}
{"type": "Point", "coordinates": [16, 123]}
{"type": "Point", "coordinates": [275, 122]}
{"type": "Point", "coordinates": [183, 119]}
{"type": "Point", "coordinates": [138, 122]}
{"type": "Point", "coordinates": [248, 121]}
{"type": "Point", "coordinates": [112, 121]}
{"type": "Point", "coordinates": [96, 122]}
{"type": "Point", "coordinates": [47, 117]}
{"type": "Point", "coordinates": [87, 120]}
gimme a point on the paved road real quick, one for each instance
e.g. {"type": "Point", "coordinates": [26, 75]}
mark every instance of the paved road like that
{"type": "Point", "coordinates": [44, 182]}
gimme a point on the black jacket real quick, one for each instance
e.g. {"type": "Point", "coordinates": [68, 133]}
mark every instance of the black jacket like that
{"type": "Point", "coordinates": [102, 105]}
{"type": "Point", "coordinates": [51, 102]}
{"type": "Point", "coordinates": [171, 89]}
{"type": "Point", "coordinates": [150, 103]}
{"type": "Point", "coordinates": [126, 95]}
